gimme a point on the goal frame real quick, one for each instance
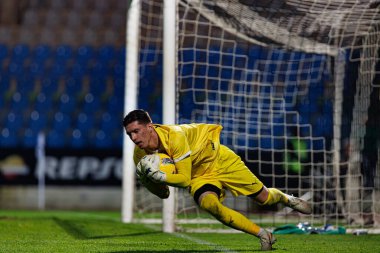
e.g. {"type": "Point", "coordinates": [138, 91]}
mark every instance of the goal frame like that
{"type": "Point", "coordinates": [171, 57]}
{"type": "Point", "coordinates": [130, 98]}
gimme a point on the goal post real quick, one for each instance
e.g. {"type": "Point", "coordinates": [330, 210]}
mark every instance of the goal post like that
{"type": "Point", "coordinates": [130, 103]}
{"type": "Point", "coordinates": [131, 94]}
{"type": "Point", "coordinates": [294, 85]}
{"type": "Point", "coordinates": [169, 97]}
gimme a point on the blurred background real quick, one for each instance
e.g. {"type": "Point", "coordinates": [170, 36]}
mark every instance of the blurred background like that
{"type": "Point", "coordinates": [62, 77]}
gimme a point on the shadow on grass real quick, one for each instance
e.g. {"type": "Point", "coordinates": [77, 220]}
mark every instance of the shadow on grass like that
{"type": "Point", "coordinates": [174, 251]}
{"type": "Point", "coordinates": [78, 233]}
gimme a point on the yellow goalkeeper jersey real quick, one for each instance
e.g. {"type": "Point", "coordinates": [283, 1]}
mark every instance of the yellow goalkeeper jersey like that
{"type": "Point", "coordinates": [200, 142]}
{"type": "Point", "coordinates": [200, 159]}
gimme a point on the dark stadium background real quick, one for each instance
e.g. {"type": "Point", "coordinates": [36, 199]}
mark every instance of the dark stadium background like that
{"type": "Point", "coordinates": [63, 74]}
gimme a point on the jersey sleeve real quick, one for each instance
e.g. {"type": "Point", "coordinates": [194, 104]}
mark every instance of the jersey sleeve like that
{"type": "Point", "coordinates": [183, 176]}
{"type": "Point", "coordinates": [181, 154]}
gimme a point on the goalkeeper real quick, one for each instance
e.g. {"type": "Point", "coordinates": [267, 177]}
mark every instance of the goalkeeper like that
{"type": "Point", "coordinates": [206, 167]}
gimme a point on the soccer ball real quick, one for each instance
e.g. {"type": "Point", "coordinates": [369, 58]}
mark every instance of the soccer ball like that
{"type": "Point", "coordinates": [166, 164]}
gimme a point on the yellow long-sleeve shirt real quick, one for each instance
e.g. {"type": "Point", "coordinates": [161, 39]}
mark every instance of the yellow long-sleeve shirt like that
{"type": "Point", "coordinates": [192, 147]}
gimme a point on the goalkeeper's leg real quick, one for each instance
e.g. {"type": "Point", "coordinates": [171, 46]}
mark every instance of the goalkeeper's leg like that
{"type": "Point", "coordinates": [209, 201]}
{"type": "Point", "coordinates": [270, 196]}
{"type": "Point", "coordinates": [238, 178]}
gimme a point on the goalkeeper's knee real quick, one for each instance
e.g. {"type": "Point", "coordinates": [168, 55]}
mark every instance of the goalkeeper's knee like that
{"type": "Point", "coordinates": [210, 203]}
{"type": "Point", "coordinates": [208, 198]}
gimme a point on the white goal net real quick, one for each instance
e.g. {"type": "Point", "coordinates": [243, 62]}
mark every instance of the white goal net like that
{"type": "Point", "coordinates": [295, 85]}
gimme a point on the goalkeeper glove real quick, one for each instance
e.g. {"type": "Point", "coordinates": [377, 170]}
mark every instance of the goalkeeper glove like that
{"type": "Point", "coordinates": [149, 166]}
{"type": "Point", "coordinates": [141, 176]}
{"type": "Point", "coordinates": [157, 176]}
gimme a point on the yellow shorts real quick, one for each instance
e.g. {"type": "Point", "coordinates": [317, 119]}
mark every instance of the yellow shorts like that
{"type": "Point", "coordinates": [228, 171]}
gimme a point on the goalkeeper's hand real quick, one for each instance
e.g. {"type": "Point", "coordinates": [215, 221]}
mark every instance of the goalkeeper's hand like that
{"type": "Point", "coordinates": [141, 176]}
{"type": "Point", "coordinates": [158, 189]}
{"type": "Point", "coordinates": [149, 166]}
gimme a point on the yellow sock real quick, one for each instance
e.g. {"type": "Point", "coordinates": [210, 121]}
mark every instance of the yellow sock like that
{"type": "Point", "coordinates": [275, 196]}
{"type": "Point", "coordinates": [228, 216]}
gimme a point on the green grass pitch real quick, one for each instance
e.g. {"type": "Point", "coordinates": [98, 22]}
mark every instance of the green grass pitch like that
{"type": "Point", "coordinates": [53, 231]}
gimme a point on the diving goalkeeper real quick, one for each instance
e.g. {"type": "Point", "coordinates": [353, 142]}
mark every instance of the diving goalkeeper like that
{"type": "Point", "coordinates": [206, 167]}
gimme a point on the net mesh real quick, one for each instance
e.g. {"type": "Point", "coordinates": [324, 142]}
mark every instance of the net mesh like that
{"type": "Point", "coordinates": [295, 85]}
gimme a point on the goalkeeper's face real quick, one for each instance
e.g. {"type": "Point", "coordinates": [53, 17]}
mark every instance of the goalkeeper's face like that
{"type": "Point", "coordinates": [140, 134]}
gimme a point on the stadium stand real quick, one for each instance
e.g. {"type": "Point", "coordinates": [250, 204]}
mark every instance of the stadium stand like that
{"type": "Point", "coordinates": [62, 73]}
{"type": "Point", "coordinates": [68, 78]}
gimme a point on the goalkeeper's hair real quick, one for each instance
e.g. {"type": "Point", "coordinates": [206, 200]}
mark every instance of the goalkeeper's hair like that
{"type": "Point", "coordinates": [137, 115]}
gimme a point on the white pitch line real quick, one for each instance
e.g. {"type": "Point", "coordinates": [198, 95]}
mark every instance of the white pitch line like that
{"type": "Point", "coordinates": [205, 243]}
{"type": "Point", "coordinates": [195, 240]}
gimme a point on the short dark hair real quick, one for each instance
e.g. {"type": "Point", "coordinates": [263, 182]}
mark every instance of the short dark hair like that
{"type": "Point", "coordinates": [137, 115]}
